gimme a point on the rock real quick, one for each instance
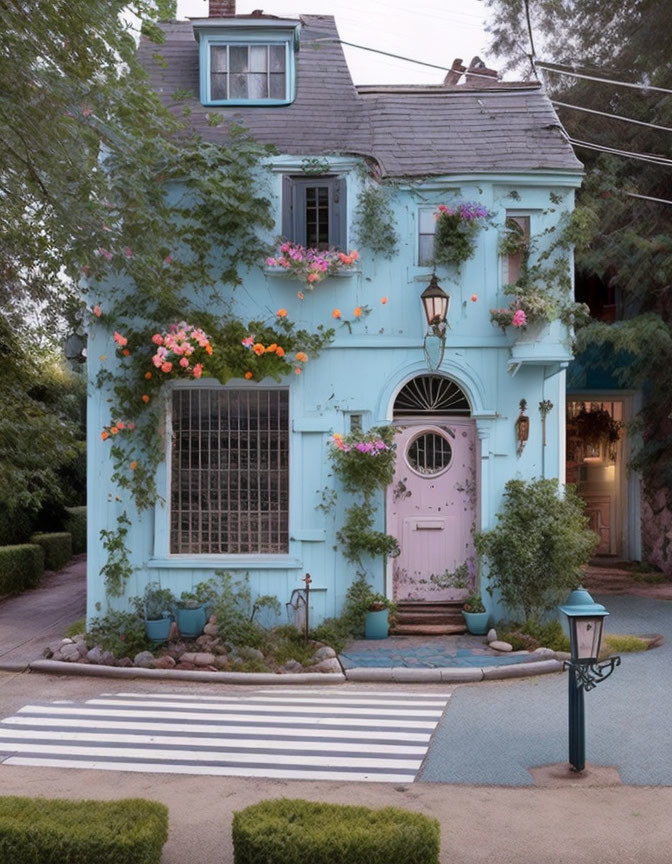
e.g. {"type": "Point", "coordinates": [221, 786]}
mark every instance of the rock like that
{"type": "Point", "coordinates": [329, 665]}
{"type": "Point", "coordinates": [292, 666]}
{"type": "Point", "coordinates": [95, 655]}
{"type": "Point", "coordinates": [83, 648]}
{"type": "Point", "coordinates": [212, 619]}
{"type": "Point", "coordinates": [185, 666]}
{"type": "Point", "coordinates": [323, 653]}
{"type": "Point", "coordinates": [222, 663]}
{"type": "Point", "coordinates": [187, 657]}
{"type": "Point", "coordinates": [108, 659]}
{"type": "Point", "coordinates": [47, 653]}
{"type": "Point", "coordinates": [205, 642]}
{"type": "Point", "coordinates": [492, 635]}
{"type": "Point", "coordinates": [204, 659]}
{"type": "Point", "coordinates": [501, 646]}
{"type": "Point", "coordinates": [145, 660]}
{"type": "Point", "coordinates": [176, 649]}
{"type": "Point", "coordinates": [211, 630]}
{"type": "Point", "coordinates": [562, 655]}
{"type": "Point", "coordinates": [69, 651]}
{"type": "Point", "coordinates": [544, 652]}
{"type": "Point", "coordinates": [125, 662]}
{"type": "Point", "coordinates": [174, 633]}
{"type": "Point", "coordinates": [165, 662]}
{"type": "Point", "coordinates": [66, 641]}
{"type": "Point", "coordinates": [248, 653]}
{"type": "Point", "coordinates": [218, 647]}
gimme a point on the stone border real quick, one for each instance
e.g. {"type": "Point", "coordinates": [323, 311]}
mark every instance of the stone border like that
{"type": "Point", "coordinates": [391, 674]}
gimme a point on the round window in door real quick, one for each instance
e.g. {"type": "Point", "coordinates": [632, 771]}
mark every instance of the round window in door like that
{"type": "Point", "coordinates": [429, 454]}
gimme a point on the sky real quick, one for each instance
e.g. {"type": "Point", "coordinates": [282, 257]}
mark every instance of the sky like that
{"type": "Point", "coordinates": [434, 31]}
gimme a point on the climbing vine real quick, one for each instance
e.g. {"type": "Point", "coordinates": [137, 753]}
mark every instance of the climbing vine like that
{"type": "Point", "coordinates": [376, 225]}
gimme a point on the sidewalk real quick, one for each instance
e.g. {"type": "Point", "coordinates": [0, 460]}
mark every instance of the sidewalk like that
{"type": "Point", "coordinates": [31, 620]}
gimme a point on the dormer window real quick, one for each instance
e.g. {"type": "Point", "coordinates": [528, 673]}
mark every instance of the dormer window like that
{"type": "Point", "coordinates": [245, 62]}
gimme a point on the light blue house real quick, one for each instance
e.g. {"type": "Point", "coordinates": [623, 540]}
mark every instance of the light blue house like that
{"type": "Point", "coordinates": [246, 466]}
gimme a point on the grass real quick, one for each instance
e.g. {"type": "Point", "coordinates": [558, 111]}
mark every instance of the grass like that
{"type": "Point", "coordinates": [623, 643]}
{"type": "Point", "coordinates": [78, 626]}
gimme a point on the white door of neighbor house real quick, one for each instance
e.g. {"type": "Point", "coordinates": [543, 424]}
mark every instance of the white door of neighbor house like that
{"type": "Point", "coordinates": [432, 505]}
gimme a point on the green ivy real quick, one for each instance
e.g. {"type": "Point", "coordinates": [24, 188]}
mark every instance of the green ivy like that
{"type": "Point", "coordinates": [376, 225]}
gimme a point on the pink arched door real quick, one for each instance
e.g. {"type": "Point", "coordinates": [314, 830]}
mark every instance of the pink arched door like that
{"type": "Point", "coordinates": [432, 505]}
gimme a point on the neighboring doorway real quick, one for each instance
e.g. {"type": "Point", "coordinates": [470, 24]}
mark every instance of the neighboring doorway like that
{"type": "Point", "coordinates": [432, 501]}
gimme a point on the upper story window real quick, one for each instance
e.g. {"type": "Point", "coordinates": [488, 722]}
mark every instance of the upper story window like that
{"type": "Point", "coordinates": [247, 62]}
{"type": "Point", "coordinates": [518, 230]}
{"type": "Point", "coordinates": [248, 72]}
{"type": "Point", "coordinates": [426, 231]}
{"type": "Point", "coordinates": [314, 211]}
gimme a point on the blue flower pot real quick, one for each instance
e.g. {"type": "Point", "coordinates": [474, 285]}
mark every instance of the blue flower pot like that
{"type": "Point", "coordinates": [477, 622]}
{"type": "Point", "coordinates": [158, 630]}
{"type": "Point", "coordinates": [190, 622]}
{"type": "Point", "coordinates": [376, 625]}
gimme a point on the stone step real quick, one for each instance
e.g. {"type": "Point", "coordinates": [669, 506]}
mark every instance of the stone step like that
{"type": "Point", "coordinates": [421, 617]}
{"type": "Point", "coordinates": [427, 629]}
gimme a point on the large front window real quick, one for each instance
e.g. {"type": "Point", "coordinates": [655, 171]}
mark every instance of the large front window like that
{"type": "Point", "coordinates": [229, 471]}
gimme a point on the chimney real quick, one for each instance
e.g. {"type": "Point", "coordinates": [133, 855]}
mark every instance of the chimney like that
{"type": "Point", "coordinates": [221, 8]}
{"type": "Point", "coordinates": [482, 72]}
{"type": "Point", "coordinates": [455, 73]}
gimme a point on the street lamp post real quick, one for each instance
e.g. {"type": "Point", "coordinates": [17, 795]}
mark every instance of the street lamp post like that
{"type": "Point", "coordinates": [585, 672]}
{"type": "Point", "coordinates": [436, 303]}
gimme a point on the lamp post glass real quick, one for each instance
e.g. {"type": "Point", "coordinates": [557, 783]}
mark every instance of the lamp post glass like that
{"type": "Point", "coordinates": [435, 302]}
{"type": "Point", "coordinates": [587, 636]}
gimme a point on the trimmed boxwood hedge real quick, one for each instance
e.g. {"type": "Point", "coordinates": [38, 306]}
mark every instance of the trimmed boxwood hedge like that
{"type": "Point", "coordinates": [57, 548]}
{"type": "Point", "coordinates": [42, 831]}
{"type": "Point", "coordinates": [284, 831]}
{"type": "Point", "coordinates": [21, 567]}
{"type": "Point", "coordinates": [75, 523]}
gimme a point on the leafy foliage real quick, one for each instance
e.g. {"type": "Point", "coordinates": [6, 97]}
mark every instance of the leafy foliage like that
{"type": "Point", "coordinates": [122, 633]}
{"type": "Point", "coordinates": [538, 546]}
{"type": "Point", "coordinates": [21, 567]}
{"type": "Point", "coordinates": [57, 548]}
{"type": "Point", "coordinates": [376, 225]}
{"type": "Point", "coordinates": [117, 568]}
{"type": "Point", "coordinates": [534, 634]}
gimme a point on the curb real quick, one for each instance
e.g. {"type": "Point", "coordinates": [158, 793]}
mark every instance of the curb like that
{"type": "Point", "coordinates": [452, 674]}
{"type": "Point", "coordinates": [59, 667]}
{"type": "Point", "coordinates": [390, 674]}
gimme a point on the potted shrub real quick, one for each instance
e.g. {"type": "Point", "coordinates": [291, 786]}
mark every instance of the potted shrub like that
{"type": "Point", "coordinates": [191, 614]}
{"type": "Point", "coordinates": [475, 615]}
{"type": "Point", "coordinates": [157, 607]}
{"type": "Point", "coordinates": [376, 622]}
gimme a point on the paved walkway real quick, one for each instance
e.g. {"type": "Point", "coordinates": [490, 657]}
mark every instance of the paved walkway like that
{"type": "Point", "coordinates": [30, 621]}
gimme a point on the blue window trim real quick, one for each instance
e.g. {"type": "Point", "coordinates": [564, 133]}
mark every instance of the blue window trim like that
{"type": "Point", "coordinates": [247, 37]}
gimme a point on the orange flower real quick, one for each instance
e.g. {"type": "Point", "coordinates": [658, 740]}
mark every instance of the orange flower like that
{"type": "Point", "coordinates": [280, 351]}
{"type": "Point", "coordinates": [133, 465]}
{"type": "Point", "coordinates": [119, 339]}
{"type": "Point", "coordinates": [271, 349]}
{"type": "Point", "coordinates": [125, 352]}
{"type": "Point", "coordinates": [148, 375]}
{"type": "Point", "coordinates": [121, 425]}
{"type": "Point", "coordinates": [103, 357]}
{"type": "Point", "coordinates": [354, 254]}
{"type": "Point", "coordinates": [336, 313]}
{"type": "Point", "coordinates": [474, 298]}
{"type": "Point", "coordinates": [301, 357]}
{"type": "Point", "coordinates": [113, 430]}
{"type": "Point", "coordinates": [383, 300]}
{"type": "Point", "coordinates": [258, 349]}
{"type": "Point", "coordinates": [145, 398]}
{"type": "Point", "coordinates": [249, 375]}
{"type": "Point", "coordinates": [312, 277]}
{"type": "Point", "coordinates": [281, 313]}
{"type": "Point", "coordinates": [104, 434]}
{"type": "Point", "coordinates": [208, 348]}
{"type": "Point", "coordinates": [358, 312]}
{"type": "Point", "coordinates": [297, 371]}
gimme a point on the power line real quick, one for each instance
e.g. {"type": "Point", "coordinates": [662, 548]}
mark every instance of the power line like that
{"type": "Point", "coordinates": [533, 54]}
{"type": "Point", "coordinates": [613, 116]}
{"type": "Point", "coordinates": [656, 160]}
{"type": "Point", "coordinates": [551, 68]}
{"type": "Point", "coordinates": [648, 198]}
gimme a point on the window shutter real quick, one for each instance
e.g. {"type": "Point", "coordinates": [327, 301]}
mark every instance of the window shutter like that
{"type": "Point", "coordinates": [339, 214]}
{"type": "Point", "coordinates": [288, 209]}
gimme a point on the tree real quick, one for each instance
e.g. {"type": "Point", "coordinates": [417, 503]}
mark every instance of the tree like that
{"type": "Point", "coordinates": [630, 255]}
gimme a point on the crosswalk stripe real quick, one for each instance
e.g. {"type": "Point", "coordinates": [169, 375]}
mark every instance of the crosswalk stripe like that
{"type": "Point", "coordinates": [329, 737]}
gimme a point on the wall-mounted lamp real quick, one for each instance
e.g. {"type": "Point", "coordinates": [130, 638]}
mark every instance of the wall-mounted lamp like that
{"type": "Point", "coordinates": [436, 303]}
{"type": "Point", "coordinates": [522, 427]}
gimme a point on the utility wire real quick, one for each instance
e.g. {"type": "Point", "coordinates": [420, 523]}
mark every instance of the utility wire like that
{"type": "Point", "coordinates": [648, 198]}
{"type": "Point", "coordinates": [613, 116]}
{"type": "Point", "coordinates": [644, 157]}
{"type": "Point", "coordinates": [551, 68]}
{"type": "Point", "coordinates": [532, 55]}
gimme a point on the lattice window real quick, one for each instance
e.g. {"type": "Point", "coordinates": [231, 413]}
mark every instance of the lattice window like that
{"type": "Point", "coordinates": [230, 471]}
{"type": "Point", "coordinates": [431, 395]}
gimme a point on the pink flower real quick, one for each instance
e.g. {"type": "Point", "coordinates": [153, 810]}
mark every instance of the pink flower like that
{"type": "Point", "coordinates": [166, 367]}
{"type": "Point", "coordinates": [128, 252]}
{"type": "Point", "coordinates": [97, 311]}
{"type": "Point", "coordinates": [107, 255]}
{"type": "Point", "coordinates": [168, 259]}
{"type": "Point", "coordinates": [248, 341]}
{"type": "Point", "coordinates": [312, 277]}
{"type": "Point", "coordinates": [157, 339]}
{"type": "Point", "coordinates": [519, 318]}
{"type": "Point", "coordinates": [270, 262]}
{"type": "Point", "coordinates": [198, 370]}
{"type": "Point", "coordinates": [119, 339]}
{"type": "Point", "coordinates": [184, 363]}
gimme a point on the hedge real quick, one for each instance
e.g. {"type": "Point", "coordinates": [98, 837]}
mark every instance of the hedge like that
{"type": "Point", "coordinates": [284, 831]}
{"type": "Point", "coordinates": [42, 831]}
{"type": "Point", "coordinates": [75, 523]}
{"type": "Point", "coordinates": [21, 567]}
{"type": "Point", "coordinates": [15, 526]}
{"type": "Point", "coordinates": [57, 548]}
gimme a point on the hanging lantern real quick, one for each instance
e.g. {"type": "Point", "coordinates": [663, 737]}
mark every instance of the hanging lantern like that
{"type": "Point", "coordinates": [522, 426]}
{"type": "Point", "coordinates": [435, 302]}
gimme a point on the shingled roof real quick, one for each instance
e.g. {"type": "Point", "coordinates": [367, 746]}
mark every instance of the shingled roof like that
{"type": "Point", "coordinates": [409, 132]}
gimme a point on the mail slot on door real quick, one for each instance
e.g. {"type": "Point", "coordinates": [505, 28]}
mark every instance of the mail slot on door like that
{"type": "Point", "coordinates": [430, 525]}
